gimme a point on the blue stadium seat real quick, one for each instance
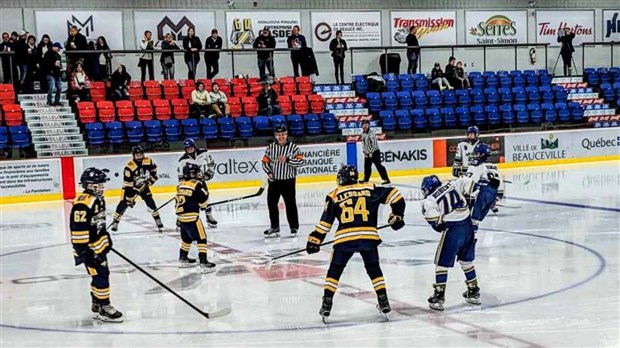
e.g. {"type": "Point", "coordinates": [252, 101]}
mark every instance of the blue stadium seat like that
{"type": "Point", "coordinates": [404, 99]}
{"type": "Point", "coordinates": [389, 100]}
{"type": "Point", "coordinates": [419, 99]}
{"type": "Point", "coordinates": [520, 96]}
{"type": "Point", "coordinates": [477, 96]}
{"type": "Point", "coordinates": [209, 128]}
{"type": "Point", "coordinates": [577, 112]}
{"type": "Point", "coordinates": [491, 95]}
{"type": "Point", "coordinates": [477, 81]}
{"type": "Point", "coordinates": [313, 124]}
{"type": "Point", "coordinates": [549, 112]}
{"type": "Point", "coordinates": [529, 72]}
{"type": "Point", "coordinates": [296, 124]}
{"type": "Point", "coordinates": [434, 98]}
{"type": "Point", "coordinates": [523, 116]}
{"type": "Point", "coordinates": [404, 120]}
{"type": "Point", "coordinates": [492, 114]}
{"type": "Point", "coordinates": [115, 132]}
{"type": "Point", "coordinates": [406, 82]}
{"type": "Point", "coordinates": [388, 120]}
{"type": "Point", "coordinates": [463, 115]}
{"type": "Point", "coordinates": [593, 80]}
{"type": "Point", "coordinates": [463, 96]}
{"type": "Point", "coordinates": [4, 138]}
{"type": "Point", "coordinates": [361, 86]}
{"type": "Point", "coordinates": [505, 95]}
{"type": "Point", "coordinates": [532, 80]}
{"type": "Point", "coordinates": [191, 129]}
{"type": "Point", "coordinates": [548, 97]}
{"type": "Point", "coordinates": [449, 116]}
{"type": "Point", "coordinates": [277, 120]}
{"type": "Point", "coordinates": [502, 73]}
{"type": "Point", "coordinates": [421, 84]}
{"type": "Point", "coordinates": [392, 85]}
{"type": "Point", "coordinates": [535, 113]}
{"type": "Point", "coordinates": [261, 125]}
{"type": "Point", "coordinates": [518, 81]}
{"type": "Point", "coordinates": [480, 117]}
{"type": "Point", "coordinates": [449, 98]}
{"type": "Point", "coordinates": [545, 80]}
{"type": "Point", "coordinates": [172, 130]}
{"type": "Point", "coordinates": [505, 82]}
{"type": "Point", "coordinates": [95, 133]}
{"type": "Point", "coordinates": [135, 131]}
{"type": "Point", "coordinates": [227, 127]}
{"type": "Point", "coordinates": [563, 112]}
{"type": "Point", "coordinates": [20, 136]}
{"type": "Point", "coordinates": [374, 101]}
{"type": "Point", "coordinates": [419, 119]}
{"type": "Point", "coordinates": [154, 131]}
{"type": "Point", "coordinates": [532, 94]}
{"type": "Point", "coordinates": [561, 95]}
{"type": "Point", "coordinates": [434, 118]}
{"type": "Point", "coordinates": [330, 123]}
{"type": "Point", "coordinates": [492, 81]}
{"type": "Point", "coordinates": [246, 129]}
{"type": "Point", "coordinates": [508, 116]}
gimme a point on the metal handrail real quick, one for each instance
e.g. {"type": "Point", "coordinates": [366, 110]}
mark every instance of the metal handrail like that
{"type": "Point", "coordinates": [600, 43]}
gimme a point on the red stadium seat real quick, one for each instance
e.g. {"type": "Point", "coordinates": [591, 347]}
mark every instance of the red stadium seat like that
{"type": "Point", "coordinates": [303, 79]}
{"type": "Point", "coordinates": [224, 86]}
{"type": "Point", "coordinates": [235, 106]}
{"type": "Point", "coordinates": [207, 82]}
{"type": "Point", "coordinates": [97, 91]}
{"type": "Point", "coordinates": [180, 109]}
{"type": "Point", "coordinates": [162, 109]}
{"type": "Point", "coordinates": [144, 110]}
{"type": "Point", "coordinates": [13, 114]}
{"type": "Point", "coordinates": [287, 79]}
{"type": "Point", "coordinates": [300, 103]}
{"type": "Point", "coordinates": [289, 88]}
{"type": "Point", "coordinates": [125, 111]}
{"type": "Point", "coordinates": [106, 111]}
{"type": "Point", "coordinates": [86, 111]}
{"type": "Point", "coordinates": [135, 90]}
{"type": "Point", "coordinates": [305, 88]}
{"type": "Point", "coordinates": [285, 104]}
{"type": "Point", "coordinates": [240, 90]}
{"type": "Point", "coordinates": [317, 103]}
{"type": "Point", "coordinates": [171, 89]}
{"type": "Point", "coordinates": [153, 89]}
{"type": "Point", "coordinates": [250, 106]}
{"type": "Point", "coordinates": [7, 94]}
{"type": "Point", "coordinates": [255, 89]}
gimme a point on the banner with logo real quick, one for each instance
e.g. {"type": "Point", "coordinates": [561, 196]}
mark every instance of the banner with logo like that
{"type": "Point", "coordinates": [550, 23]}
{"type": "Point", "coordinates": [358, 28]}
{"type": "Point", "coordinates": [403, 154]}
{"type": "Point", "coordinates": [496, 143]}
{"type": "Point", "coordinates": [495, 27]}
{"type": "Point", "coordinates": [243, 27]}
{"type": "Point", "coordinates": [91, 24]}
{"type": "Point", "coordinates": [30, 177]}
{"type": "Point", "coordinates": [175, 22]}
{"type": "Point", "coordinates": [433, 28]}
{"type": "Point", "coordinates": [611, 25]}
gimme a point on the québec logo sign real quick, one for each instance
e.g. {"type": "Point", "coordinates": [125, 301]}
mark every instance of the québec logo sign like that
{"type": "Point", "coordinates": [590, 144]}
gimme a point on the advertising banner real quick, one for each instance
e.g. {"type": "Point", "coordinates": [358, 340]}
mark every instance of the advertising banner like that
{"type": "Point", "coordinates": [30, 177]}
{"type": "Point", "coordinates": [550, 23]}
{"type": "Point", "coordinates": [495, 27]}
{"type": "Point", "coordinates": [496, 143]}
{"type": "Point", "coordinates": [403, 154]}
{"type": "Point", "coordinates": [611, 25]}
{"type": "Point", "coordinates": [175, 22]}
{"type": "Point", "coordinates": [91, 24]}
{"type": "Point", "coordinates": [433, 28]}
{"type": "Point", "coordinates": [358, 28]}
{"type": "Point", "coordinates": [243, 27]}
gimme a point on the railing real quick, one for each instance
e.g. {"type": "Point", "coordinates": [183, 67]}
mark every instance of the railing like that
{"type": "Point", "coordinates": [3, 56]}
{"type": "Point", "coordinates": [611, 45]}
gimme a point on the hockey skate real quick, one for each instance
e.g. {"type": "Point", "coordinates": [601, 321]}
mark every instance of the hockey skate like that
{"type": "Point", "coordinates": [326, 308]}
{"type": "Point", "coordinates": [211, 221]}
{"type": "Point", "coordinates": [95, 309]}
{"type": "Point", "coordinates": [159, 224]}
{"type": "Point", "coordinates": [294, 232]}
{"type": "Point", "coordinates": [472, 295]}
{"type": "Point", "coordinates": [272, 233]}
{"type": "Point", "coordinates": [186, 262]}
{"type": "Point", "coordinates": [207, 267]}
{"type": "Point", "coordinates": [438, 299]}
{"type": "Point", "coordinates": [386, 182]}
{"type": "Point", "coordinates": [108, 313]}
{"type": "Point", "coordinates": [114, 226]}
{"type": "Point", "coordinates": [384, 306]}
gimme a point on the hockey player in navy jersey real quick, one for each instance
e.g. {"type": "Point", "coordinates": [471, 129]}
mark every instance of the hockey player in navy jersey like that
{"type": "Point", "coordinates": [489, 182]}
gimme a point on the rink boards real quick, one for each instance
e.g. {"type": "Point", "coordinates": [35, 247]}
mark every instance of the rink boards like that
{"type": "Point", "coordinates": [53, 179]}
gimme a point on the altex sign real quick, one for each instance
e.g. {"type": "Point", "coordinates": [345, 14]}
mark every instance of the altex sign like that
{"type": "Point", "coordinates": [497, 29]}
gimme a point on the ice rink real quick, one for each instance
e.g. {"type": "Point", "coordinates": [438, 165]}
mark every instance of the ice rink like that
{"type": "Point", "coordinates": [547, 267]}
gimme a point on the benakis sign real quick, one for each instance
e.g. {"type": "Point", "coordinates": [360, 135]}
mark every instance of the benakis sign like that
{"type": "Point", "coordinates": [432, 28]}
{"type": "Point", "coordinates": [550, 23]}
{"type": "Point", "coordinates": [488, 27]}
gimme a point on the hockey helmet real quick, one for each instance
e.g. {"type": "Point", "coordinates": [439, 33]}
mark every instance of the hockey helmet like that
{"type": "Point", "coordinates": [280, 129]}
{"type": "Point", "coordinates": [481, 153]}
{"type": "Point", "coordinates": [94, 176]}
{"type": "Point", "coordinates": [137, 149]}
{"type": "Point", "coordinates": [191, 171]}
{"type": "Point", "coordinates": [473, 130]}
{"type": "Point", "coordinates": [347, 175]}
{"type": "Point", "coordinates": [430, 184]}
{"type": "Point", "coordinates": [189, 142]}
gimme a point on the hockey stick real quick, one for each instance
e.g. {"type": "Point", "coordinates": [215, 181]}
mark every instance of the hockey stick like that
{"type": "Point", "coordinates": [270, 262]}
{"type": "Point", "coordinates": [219, 313]}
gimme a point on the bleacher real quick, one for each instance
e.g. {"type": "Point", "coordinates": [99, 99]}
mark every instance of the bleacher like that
{"type": "Point", "coordinates": [607, 80]}
{"type": "Point", "coordinates": [13, 132]}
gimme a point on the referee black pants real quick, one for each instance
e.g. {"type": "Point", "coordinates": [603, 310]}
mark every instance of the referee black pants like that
{"type": "Point", "coordinates": [376, 159]}
{"type": "Point", "coordinates": [286, 189]}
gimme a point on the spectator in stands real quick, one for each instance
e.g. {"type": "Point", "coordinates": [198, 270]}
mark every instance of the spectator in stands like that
{"type": "Point", "coordinates": [296, 40]}
{"type": "Point", "coordinates": [268, 101]}
{"type": "Point", "coordinates": [44, 45]}
{"type": "Point", "coordinates": [120, 83]}
{"type": "Point", "coordinates": [438, 78]}
{"type": "Point", "coordinates": [412, 53]}
{"type": "Point", "coordinates": [219, 101]}
{"type": "Point", "coordinates": [565, 37]}
{"type": "Point", "coordinates": [79, 85]}
{"type": "Point", "coordinates": [103, 69]}
{"type": "Point", "coordinates": [191, 45]}
{"type": "Point", "coordinates": [265, 58]}
{"type": "Point", "coordinates": [167, 58]}
{"type": "Point", "coordinates": [146, 59]}
{"type": "Point", "coordinates": [75, 42]}
{"type": "Point", "coordinates": [212, 59]}
{"type": "Point", "coordinates": [450, 71]}
{"type": "Point", "coordinates": [338, 47]}
{"type": "Point", "coordinates": [201, 101]}
{"type": "Point", "coordinates": [21, 57]}
{"type": "Point", "coordinates": [462, 81]}
{"type": "Point", "coordinates": [32, 58]}
{"type": "Point", "coordinates": [8, 61]}
{"type": "Point", "coordinates": [14, 37]}
{"type": "Point", "coordinates": [51, 68]}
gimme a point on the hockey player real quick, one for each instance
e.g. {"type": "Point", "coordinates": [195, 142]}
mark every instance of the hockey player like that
{"type": "Point", "coordinates": [490, 184]}
{"type": "Point", "coordinates": [192, 196]}
{"type": "Point", "coordinates": [464, 149]}
{"type": "Point", "coordinates": [205, 162]}
{"type": "Point", "coordinates": [356, 208]}
{"type": "Point", "coordinates": [91, 242]}
{"type": "Point", "coordinates": [445, 209]}
{"type": "Point", "coordinates": [139, 174]}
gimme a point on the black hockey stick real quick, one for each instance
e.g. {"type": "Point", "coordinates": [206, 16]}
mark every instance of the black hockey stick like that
{"type": "Point", "coordinates": [270, 262]}
{"type": "Point", "coordinates": [220, 313]}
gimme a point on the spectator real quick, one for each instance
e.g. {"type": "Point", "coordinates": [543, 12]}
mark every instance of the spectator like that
{"type": "Point", "coordinates": [91, 60]}
{"type": "Point", "coordinates": [296, 40]}
{"type": "Point", "coordinates": [103, 69]}
{"type": "Point", "coordinates": [265, 58]}
{"type": "Point", "coordinates": [146, 59]}
{"type": "Point", "coordinates": [14, 37]}
{"type": "Point", "coordinates": [565, 37]}
{"type": "Point", "coordinates": [219, 102]}
{"type": "Point", "coordinates": [8, 61]}
{"type": "Point", "coordinates": [120, 83]}
{"type": "Point", "coordinates": [79, 85]}
{"type": "Point", "coordinates": [268, 101]}
{"type": "Point", "coordinates": [32, 58]}
{"type": "Point", "coordinates": [51, 68]}
{"type": "Point", "coordinates": [462, 81]}
{"type": "Point", "coordinates": [44, 45]}
{"type": "Point", "coordinates": [438, 78]}
{"type": "Point", "coordinates": [191, 45]}
{"type": "Point", "coordinates": [75, 42]}
{"type": "Point", "coordinates": [338, 47]}
{"type": "Point", "coordinates": [412, 53]}
{"type": "Point", "coordinates": [167, 58]}
{"type": "Point", "coordinates": [201, 101]}
{"type": "Point", "coordinates": [21, 58]}
{"type": "Point", "coordinates": [212, 59]}
{"type": "Point", "coordinates": [450, 72]}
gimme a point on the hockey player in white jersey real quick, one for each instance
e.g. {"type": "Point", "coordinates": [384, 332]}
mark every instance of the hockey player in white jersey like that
{"type": "Point", "coordinates": [464, 150]}
{"type": "Point", "coordinates": [202, 158]}
{"type": "Point", "coordinates": [445, 209]}
{"type": "Point", "coordinates": [489, 182]}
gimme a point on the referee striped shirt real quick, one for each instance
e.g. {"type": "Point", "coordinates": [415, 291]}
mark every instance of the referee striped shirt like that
{"type": "Point", "coordinates": [369, 142]}
{"type": "Point", "coordinates": [288, 169]}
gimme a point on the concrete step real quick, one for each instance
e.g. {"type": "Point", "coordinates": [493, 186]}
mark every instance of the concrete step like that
{"type": "Point", "coordinates": [599, 112]}
{"type": "Point", "coordinates": [49, 117]}
{"type": "Point", "coordinates": [74, 145]}
{"type": "Point", "coordinates": [62, 138]}
{"type": "Point", "coordinates": [55, 131]}
{"type": "Point", "coordinates": [566, 79]}
{"type": "Point", "coordinates": [36, 97]}
{"type": "Point", "coordinates": [61, 153]}
{"type": "Point", "coordinates": [52, 124]}
{"type": "Point", "coordinates": [29, 110]}
{"type": "Point", "coordinates": [40, 103]}
{"type": "Point", "coordinates": [350, 112]}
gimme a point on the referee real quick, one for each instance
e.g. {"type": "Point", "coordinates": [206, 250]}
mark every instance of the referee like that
{"type": "Point", "coordinates": [372, 154]}
{"type": "Point", "coordinates": [281, 160]}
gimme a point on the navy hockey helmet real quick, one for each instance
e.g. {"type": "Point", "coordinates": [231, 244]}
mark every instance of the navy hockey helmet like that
{"type": "Point", "coordinates": [189, 142]}
{"type": "Point", "coordinates": [191, 171]}
{"type": "Point", "coordinates": [481, 152]}
{"type": "Point", "coordinates": [473, 129]}
{"type": "Point", "coordinates": [347, 175]}
{"type": "Point", "coordinates": [430, 184]}
{"type": "Point", "coordinates": [280, 129]}
{"type": "Point", "coordinates": [94, 176]}
{"type": "Point", "coordinates": [137, 149]}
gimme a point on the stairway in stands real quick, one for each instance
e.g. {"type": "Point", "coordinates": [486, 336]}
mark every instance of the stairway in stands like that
{"type": "Point", "coordinates": [54, 129]}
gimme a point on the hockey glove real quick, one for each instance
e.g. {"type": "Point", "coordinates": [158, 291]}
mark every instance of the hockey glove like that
{"type": "Point", "coordinates": [312, 248]}
{"type": "Point", "coordinates": [456, 171]}
{"type": "Point", "coordinates": [209, 175]}
{"type": "Point", "coordinates": [396, 222]}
